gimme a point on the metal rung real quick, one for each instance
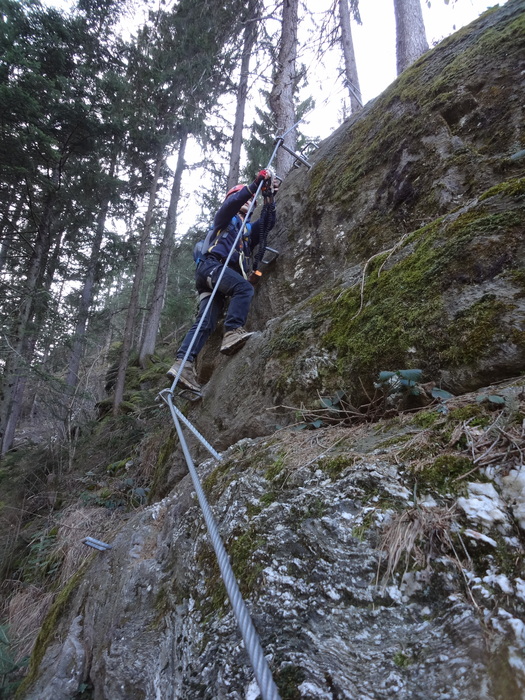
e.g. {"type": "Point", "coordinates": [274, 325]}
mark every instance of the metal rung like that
{"type": "Point", "coordinates": [96, 544]}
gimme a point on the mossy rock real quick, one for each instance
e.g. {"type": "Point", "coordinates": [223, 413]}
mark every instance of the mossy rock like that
{"type": "Point", "coordinates": [444, 473]}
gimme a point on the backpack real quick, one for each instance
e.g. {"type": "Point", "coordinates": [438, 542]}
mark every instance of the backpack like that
{"type": "Point", "coordinates": [201, 247]}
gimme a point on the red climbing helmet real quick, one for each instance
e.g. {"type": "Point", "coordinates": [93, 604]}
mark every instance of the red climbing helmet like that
{"type": "Point", "coordinates": [233, 190]}
{"type": "Point", "coordinates": [236, 189]}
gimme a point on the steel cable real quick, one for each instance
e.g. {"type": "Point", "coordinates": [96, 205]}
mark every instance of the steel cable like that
{"type": "Point", "coordinates": [251, 639]}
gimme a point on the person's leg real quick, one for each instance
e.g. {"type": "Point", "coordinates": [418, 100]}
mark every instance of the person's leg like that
{"type": "Point", "coordinates": [241, 292]}
{"type": "Point", "coordinates": [192, 342]}
{"type": "Point", "coordinates": [208, 326]}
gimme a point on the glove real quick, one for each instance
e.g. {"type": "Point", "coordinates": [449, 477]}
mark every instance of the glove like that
{"type": "Point", "coordinates": [266, 174]}
{"type": "Point", "coordinates": [262, 176]}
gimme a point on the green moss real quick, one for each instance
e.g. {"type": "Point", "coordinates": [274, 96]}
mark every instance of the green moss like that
{"type": "Point", "coordinates": [474, 330]}
{"type": "Point", "coordinates": [441, 474]}
{"type": "Point", "coordinates": [517, 276]}
{"type": "Point", "coordinates": [426, 419]}
{"type": "Point", "coordinates": [313, 508]}
{"type": "Point", "coordinates": [465, 412]}
{"type": "Point", "coordinates": [159, 483]}
{"type": "Point", "coordinates": [359, 531]}
{"type": "Point", "coordinates": [401, 659]}
{"type": "Point", "coordinates": [117, 467]}
{"type": "Point", "coordinates": [155, 373]}
{"type": "Point", "coordinates": [245, 569]}
{"type": "Point", "coordinates": [404, 305]}
{"type": "Point", "coordinates": [268, 498]}
{"type": "Point", "coordinates": [253, 510]}
{"type": "Point", "coordinates": [275, 471]}
{"type": "Point", "coordinates": [216, 592]}
{"type": "Point", "coordinates": [474, 413]}
{"type": "Point", "coordinates": [503, 675]}
{"type": "Point", "coordinates": [511, 188]}
{"type": "Point", "coordinates": [334, 466]}
{"type": "Point", "coordinates": [288, 679]}
{"type": "Point", "coordinates": [395, 440]}
{"type": "Point", "coordinates": [211, 481]}
{"type": "Point", "coordinates": [162, 607]}
{"type": "Point", "coordinates": [48, 630]}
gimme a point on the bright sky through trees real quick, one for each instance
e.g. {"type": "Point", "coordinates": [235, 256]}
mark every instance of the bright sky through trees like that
{"type": "Point", "coordinates": [374, 44]}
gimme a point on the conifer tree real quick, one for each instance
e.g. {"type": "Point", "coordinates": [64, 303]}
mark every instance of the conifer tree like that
{"type": "Point", "coordinates": [284, 85]}
{"type": "Point", "coordinates": [51, 94]}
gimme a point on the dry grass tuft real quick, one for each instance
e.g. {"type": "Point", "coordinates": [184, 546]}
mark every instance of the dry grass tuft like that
{"type": "Point", "coordinates": [75, 524]}
{"type": "Point", "coordinates": [417, 535]}
{"type": "Point", "coordinates": [29, 604]}
{"type": "Point", "coordinates": [26, 611]}
{"type": "Point", "coordinates": [498, 445]}
{"type": "Point", "coordinates": [305, 447]}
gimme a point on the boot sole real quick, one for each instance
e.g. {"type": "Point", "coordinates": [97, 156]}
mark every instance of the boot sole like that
{"type": "Point", "coordinates": [184, 385]}
{"type": "Point", "coordinates": [232, 349]}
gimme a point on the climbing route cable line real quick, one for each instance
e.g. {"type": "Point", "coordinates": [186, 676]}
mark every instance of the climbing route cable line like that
{"type": "Point", "coordinates": [249, 634]}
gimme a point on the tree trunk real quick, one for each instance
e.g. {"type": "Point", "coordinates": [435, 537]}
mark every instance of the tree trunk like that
{"type": "Point", "coordinates": [135, 290]}
{"type": "Point", "coordinates": [86, 298]}
{"type": "Point", "coordinates": [166, 248]}
{"type": "Point", "coordinates": [8, 229]}
{"type": "Point", "coordinates": [347, 44]}
{"type": "Point", "coordinates": [284, 84]}
{"type": "Point", "coordinates": [250, 37]}
{"type": "Point", "coordinates": [17, 361]}
{"type": "Point", "coordinates": [411, 41]}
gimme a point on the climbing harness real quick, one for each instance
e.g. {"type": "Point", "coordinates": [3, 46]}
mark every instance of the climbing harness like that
{"type": "Point", "coordinates": [251, 639]}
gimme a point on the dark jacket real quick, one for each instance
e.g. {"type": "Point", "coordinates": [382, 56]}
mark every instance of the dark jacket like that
{"type": "Point", "coordinates": [226, 226]}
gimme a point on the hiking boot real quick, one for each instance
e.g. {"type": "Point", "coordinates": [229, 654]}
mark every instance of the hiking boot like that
{"type": "Point", "coordinates": [234, 340]}
{"type": "Point", "coordinates": [188, 377]}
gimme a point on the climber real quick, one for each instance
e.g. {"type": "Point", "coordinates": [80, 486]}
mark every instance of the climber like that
{"type": "Point", "coordinates": [234, 283]}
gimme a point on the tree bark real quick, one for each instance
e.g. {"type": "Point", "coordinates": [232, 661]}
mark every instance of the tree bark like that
{"type": "Point", "coordinates": [284, 84]}
{"type": "Point", "coordinates": [86, 298]}
{"type": "Point", "coordinates": [411, 40]}
{"type": "Point", "coordinates": [347, 44]}
{"type": "Point", "coordinates": [34, 299]}
{"type": "Point", "coordinates": [250, 37]}
{"type": "Point", "coordinates": [166, 248]}
{"type": "Point", "coordinates": [127, 340]}
{"type": "Point", "coordinates": [8, 229]}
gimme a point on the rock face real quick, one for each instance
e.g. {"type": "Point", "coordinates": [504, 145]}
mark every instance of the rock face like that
{"type": "Point", "coordinates": [313, 522]}
{"type": "Point", "coordinates": [378, 560]}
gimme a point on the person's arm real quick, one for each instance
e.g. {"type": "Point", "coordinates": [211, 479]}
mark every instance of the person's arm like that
{"type": "Point", "coordinates": [234, 202]}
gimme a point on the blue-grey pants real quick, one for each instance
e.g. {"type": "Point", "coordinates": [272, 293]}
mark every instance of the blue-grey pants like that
{"type": "Point", "coordinates": [232, 285]}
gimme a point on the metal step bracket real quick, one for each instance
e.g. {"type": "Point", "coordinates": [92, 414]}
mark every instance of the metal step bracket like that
{"type": "Point", "coordinates": [96, 544]}
{"type": "Point", "coordinates": [307, 149]}
{"type": "Point", "coordinates": [273, 255]}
